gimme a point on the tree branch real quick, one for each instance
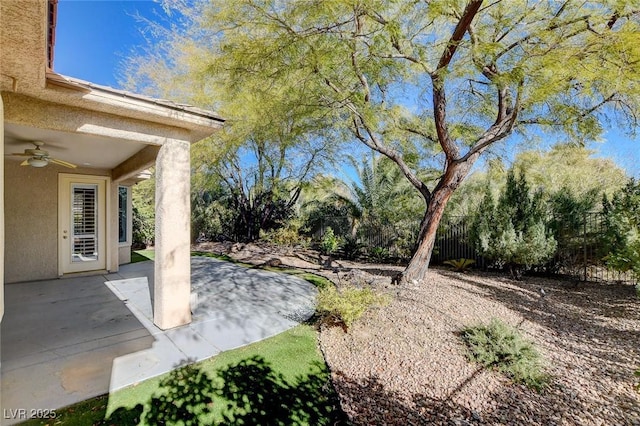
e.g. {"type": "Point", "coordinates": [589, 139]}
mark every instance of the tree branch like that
{"type": "Point", "coordinates": [458, 33]}
{"type": "Point", "coordinates": [372, 142]}
{"type": "Point", "coordinates": [555, 122]}
{"type": "Point", "coordinates": [598, 105]}
{"type": "Point", "coordinates": [450, 148]}
{"type": "Point", "coordinates": [396, 45]}
{"type": "Point", "coordinates": [418, 132]}
{"type": "Point", "coordinates": [500, 129]}
{"type": "Point", "coordinates": [552, 26]}
{"type": "Point", "coordinates": [354, 57]}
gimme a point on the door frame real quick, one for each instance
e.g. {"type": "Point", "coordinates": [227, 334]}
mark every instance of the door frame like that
{"type": "Point", "coordinates": [65, 182]}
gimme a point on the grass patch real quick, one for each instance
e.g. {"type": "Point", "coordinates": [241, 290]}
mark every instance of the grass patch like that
{"type": "Point", "coordinates": [89, 412]}
{"type": "Point", "coordinates": [317, 280]}
{"type": "Point", "coordinates": [224, 257]}
{"type": "Point", "coordinates": [280, 380]}
{"type": "Point", "coordinates": [142, 255]}
{"type": "Point", "coordinates": [502, 347]}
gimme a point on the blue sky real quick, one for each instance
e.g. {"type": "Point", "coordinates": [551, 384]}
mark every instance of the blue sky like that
{"type": "Point", "coordinates": [93, 37]}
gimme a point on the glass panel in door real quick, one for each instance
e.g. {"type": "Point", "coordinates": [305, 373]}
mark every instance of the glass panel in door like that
{"type": "Point", "coordinates": [84, 212]}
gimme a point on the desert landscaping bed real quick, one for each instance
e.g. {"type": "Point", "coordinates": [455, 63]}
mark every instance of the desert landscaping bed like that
{"type": "Point", "coordinates": [405, 363]}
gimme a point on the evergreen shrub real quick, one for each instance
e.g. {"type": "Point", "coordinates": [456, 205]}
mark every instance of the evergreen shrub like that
{"type": "Point", "coordinates": [497, 345]}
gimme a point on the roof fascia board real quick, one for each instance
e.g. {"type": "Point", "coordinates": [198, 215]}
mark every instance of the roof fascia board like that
{"type": "Point", "coordinates": [192, 117]}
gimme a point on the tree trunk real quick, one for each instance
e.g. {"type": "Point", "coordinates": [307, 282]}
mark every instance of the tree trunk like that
{"type": "Point", "coordinates": [419, 264]}
{"type": "Point", "coordinates": [417, 269]}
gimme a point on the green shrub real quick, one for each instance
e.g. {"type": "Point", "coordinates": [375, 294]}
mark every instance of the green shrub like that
{"type": "Point", "coordinates": [143, 212]}
{"type": "Point", "coordinates": [289, 235]}
{"type": "Point", "coordinates": [499, 346]}
{"type": "Point", "coordinates": [211, 216]}
{"type": "Point", "coordinates": [347, 305]}
{"type": "Point", "coordinates": [511, 233]}
{"type": "Point", "coordinates": [143, 227]}
{"type": "Point", "coordinates": [622, 220]}
{"type": "Point", "coordinates": [379, 254]}
{"type": "Point", "coordinates": [567, 224]}
{"type": "Point", "coordinates": [459, 264]}
{"type": "Point", "coordinates": [351, 247]}
{"type": "Point", "coordinates": [329, 243]}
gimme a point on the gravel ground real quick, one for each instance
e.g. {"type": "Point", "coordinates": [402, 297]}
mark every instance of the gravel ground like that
{"type": "Point", "coordinates": [404, 364]}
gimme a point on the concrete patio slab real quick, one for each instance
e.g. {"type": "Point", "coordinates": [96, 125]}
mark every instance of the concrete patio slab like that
{"type": "Point", "coordinates": [70, 339]}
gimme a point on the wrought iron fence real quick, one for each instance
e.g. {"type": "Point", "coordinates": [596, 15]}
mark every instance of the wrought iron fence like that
{"type": "Point", "coordinates": [452, 242]}
{"type": "Point", "coordinates": [580, 254]}
{"type": "Point", "coordinates": [584, 253]}
{"type": "Point", "coordinates": [396, 240]}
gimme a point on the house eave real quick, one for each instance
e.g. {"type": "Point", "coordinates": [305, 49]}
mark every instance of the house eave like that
{"type": "Point", "coordinates": [76, 92]}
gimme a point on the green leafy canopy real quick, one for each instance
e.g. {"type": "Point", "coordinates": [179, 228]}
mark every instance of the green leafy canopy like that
{"type": "Point", "coordinates": [427, 84]}
{"type": "Point", "coordinates": [335, 61]}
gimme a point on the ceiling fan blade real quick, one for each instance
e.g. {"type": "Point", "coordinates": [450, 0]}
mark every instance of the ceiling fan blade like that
{"type": "Point", "coordinates": [21, 154]}
{"type": "Point", "coordinates": [25, 162]}
{"type": "Point", "coordinates": [63, 163]}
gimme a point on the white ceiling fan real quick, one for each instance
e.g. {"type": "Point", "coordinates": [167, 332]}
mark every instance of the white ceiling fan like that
{"type": "Point", "coordinates": [40, 158]}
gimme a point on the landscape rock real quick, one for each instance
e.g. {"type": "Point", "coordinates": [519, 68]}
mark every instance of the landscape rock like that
{"type": "Point", "coordinates": [404, 364]}
{"type": "Point", "coordinates": [407, 355]}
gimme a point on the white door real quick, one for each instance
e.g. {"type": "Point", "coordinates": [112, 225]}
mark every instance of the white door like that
{"type": "Point", "coordinates": [82, 232]}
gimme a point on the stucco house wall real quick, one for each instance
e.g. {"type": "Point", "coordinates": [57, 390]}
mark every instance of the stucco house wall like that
{"type": "Point", "coordinates": [32, 221]}
{"type": "Point", "coordinates": [111, 133]}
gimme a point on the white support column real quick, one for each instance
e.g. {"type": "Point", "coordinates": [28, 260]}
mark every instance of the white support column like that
{"type": "Point", "coordinates": [172, 281]}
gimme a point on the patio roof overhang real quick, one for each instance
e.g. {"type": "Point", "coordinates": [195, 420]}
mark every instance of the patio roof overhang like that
{"type": "Point", "coordinates": [80, 122]}
{"type": "Point", "coordinates": [98, 127]}
{"type": "Point", "coordinates": [41, 104]}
